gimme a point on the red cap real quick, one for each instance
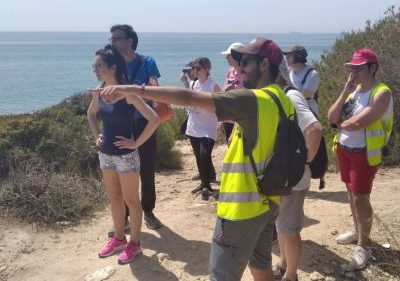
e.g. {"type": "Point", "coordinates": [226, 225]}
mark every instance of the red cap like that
{"type": "Point", "coordinates": [260, 47]}
{"type": "Point", "coordinates": [363, 56]}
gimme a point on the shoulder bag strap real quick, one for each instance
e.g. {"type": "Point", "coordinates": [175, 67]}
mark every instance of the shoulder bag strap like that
{"type": "Point", "coordinates": [306, 75]}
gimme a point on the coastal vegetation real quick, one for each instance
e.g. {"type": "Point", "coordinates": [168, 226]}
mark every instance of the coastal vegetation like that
{"type": "Point", "coordinates": [49, 168]}
{"type": "Point", "coordinates": [48, 161]}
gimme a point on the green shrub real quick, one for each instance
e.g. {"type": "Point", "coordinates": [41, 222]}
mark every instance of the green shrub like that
{"type": "Point", "coordinates": [384, 38]}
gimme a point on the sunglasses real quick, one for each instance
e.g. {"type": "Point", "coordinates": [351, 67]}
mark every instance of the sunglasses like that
{"type": "Point", "coordinates": [115, 38]}
{"type": "Point", "coordinates": [244, 61]}
{"type": "Point", "coordinates": [198, 68]}
{"type": "Point", "coordinates": [356, 68]}
{"type": "Point", "coordinates": [98, 65]}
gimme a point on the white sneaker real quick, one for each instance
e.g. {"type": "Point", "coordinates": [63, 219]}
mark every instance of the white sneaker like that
{"type": "Point", "coordinates": [360, 258]}
{"type": "Point", "coordinates": [347, 237]}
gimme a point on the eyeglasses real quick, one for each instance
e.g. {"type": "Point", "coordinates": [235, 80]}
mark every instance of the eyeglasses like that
{"type": "Point", "coordinates": [244, 61]}
{"type": "Point", "coordinates": [115, 38]}
{"type": "Point", "coordinates": [97, 66]}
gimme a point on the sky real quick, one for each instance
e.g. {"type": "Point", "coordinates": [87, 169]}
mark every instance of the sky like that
{"type": "Point", "coordinates": [227, 16]}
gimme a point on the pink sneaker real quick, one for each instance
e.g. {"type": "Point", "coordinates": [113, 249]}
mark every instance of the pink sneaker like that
{"type": "Point", "coordinates": [129, 253]}
{"type": "Point", "coordinates": [113, 245]}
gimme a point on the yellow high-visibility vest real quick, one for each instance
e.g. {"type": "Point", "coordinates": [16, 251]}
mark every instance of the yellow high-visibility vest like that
{"type": "Point", "coordinates": [377, 134]}
{"type": "Point", "coordinates": [239, 198]}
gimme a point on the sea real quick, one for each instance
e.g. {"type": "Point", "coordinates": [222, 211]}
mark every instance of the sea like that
{"type": "Point", "coordinates": [40, 69]}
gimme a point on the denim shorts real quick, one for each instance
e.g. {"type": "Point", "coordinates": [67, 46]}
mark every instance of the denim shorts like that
{"type": "Point", "coordinates": [122, 163]}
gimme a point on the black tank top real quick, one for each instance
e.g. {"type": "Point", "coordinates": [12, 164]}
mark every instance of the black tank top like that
{"type": "Point", "coordinates": [118, 120]}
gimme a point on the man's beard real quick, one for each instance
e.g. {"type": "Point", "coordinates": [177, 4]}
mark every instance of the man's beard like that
{"type": "Point", "coordinates": [252, 83]}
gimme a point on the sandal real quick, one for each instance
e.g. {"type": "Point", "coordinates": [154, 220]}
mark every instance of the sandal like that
{"type": "Point", "coordinates": [278, 272]}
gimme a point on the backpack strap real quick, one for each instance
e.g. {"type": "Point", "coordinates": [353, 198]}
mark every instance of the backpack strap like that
{"type": "Point", "coordinates": [289, 89]}
{"type": "Point", "coordinates": [282, 115]}
{"type": "Point", "coordinates": [306, 75]}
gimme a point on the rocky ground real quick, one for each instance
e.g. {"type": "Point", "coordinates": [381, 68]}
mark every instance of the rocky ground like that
{"type": "Point", "coordinates": [180, 249]}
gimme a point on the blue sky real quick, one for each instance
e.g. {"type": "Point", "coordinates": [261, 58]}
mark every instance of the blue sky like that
{"type": "Point", "coordinates": [245, 16]}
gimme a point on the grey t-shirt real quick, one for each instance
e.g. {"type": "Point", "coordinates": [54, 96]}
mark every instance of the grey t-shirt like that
{"type": "Point", "coordinates": [305, 118]}
{"type": "Point", "coordinates": [239, 106]}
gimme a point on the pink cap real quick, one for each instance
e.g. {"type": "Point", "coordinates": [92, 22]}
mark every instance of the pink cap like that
{"type": "Point", "coordinates": [363, 56]}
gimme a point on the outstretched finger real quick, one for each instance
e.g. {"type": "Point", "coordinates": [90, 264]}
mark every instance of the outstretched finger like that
{"type": "Point", "coordinates": [121, 138]}
{"type": "Point", "coordinates": [95, 91]}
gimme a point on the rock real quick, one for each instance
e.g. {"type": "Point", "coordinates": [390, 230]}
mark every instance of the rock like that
{"type": "Point", "coordinates": [310, 263]}
{"type": "Point", "coordinates": [350, 274]}
{"type": "Point", "coordinates": [162, 256]}
{"type": "Point", "coordinates": [334, 263]}
{"type": "Point", "coordinates": [3, 268]}
{"type": "Point", "coordinates": [326, 271]}
{"type": "Point", "coordinates": [101, 274]}
{"type": "Point", "coordinates": [334, 232]}
{"type": "Point", "coordinates": [330, 279]}
{"type": "Point", "coordinates": [315, 276]}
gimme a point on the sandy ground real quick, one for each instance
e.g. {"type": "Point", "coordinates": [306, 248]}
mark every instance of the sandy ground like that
{"type": "Point", "coordinates": [180, 249]}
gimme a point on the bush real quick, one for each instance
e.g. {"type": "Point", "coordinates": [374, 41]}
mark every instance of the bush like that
{"type": "Point", "coordinates": [384, 38]}
{"type": "Point", "coordinates": [49, 168]}
{"type": "Point", "coordinates": [35, 193]}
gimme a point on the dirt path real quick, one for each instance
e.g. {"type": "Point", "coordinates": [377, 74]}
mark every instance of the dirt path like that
{"type": "Point", "coordinates": [180, 249]}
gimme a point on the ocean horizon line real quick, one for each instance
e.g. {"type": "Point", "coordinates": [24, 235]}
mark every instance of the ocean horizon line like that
{"type": "Point", "coordinates": [172, 32]}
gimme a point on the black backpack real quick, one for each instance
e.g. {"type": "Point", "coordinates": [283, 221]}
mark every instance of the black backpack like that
{"type": "Point", "coordinates": [286, 166]}
{"type": "Point", "coordinates": [319, 165]}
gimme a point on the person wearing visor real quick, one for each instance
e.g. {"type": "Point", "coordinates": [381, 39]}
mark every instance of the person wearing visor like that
{"type": "Point", "coordinates": [245, 217]}
{"type": "Point", "coordinates": [363, 115]}
{"type": "Point", "coordinates": [302, 76]}
{"type": "Point", "coordinates": [233, 80]}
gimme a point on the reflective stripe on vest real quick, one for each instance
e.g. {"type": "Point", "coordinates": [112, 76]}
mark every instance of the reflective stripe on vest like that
{"type": "Point", "coordinates": [239, 198]}
{"type": "Point", "coordinates": [242, 167]}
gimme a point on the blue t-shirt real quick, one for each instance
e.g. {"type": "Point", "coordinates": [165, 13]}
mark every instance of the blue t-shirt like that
{"type": "Point", "coordinates": [147, 69]}
{"type": "Point", "coordinates": [118, 120]}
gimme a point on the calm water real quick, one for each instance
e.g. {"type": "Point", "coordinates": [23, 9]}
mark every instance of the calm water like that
{"type": "Point", "coordinates": [39, 69]}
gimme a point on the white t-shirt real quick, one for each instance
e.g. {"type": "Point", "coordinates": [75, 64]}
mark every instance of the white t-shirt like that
{"type": "Point", "coordinates": [202, 123]}
{"type": "Point", "coordinates": [310, 84]}
{"type": "Point", "coordinates": [305, 118]}
{"type": "Point", "coordinates": [355, 105]}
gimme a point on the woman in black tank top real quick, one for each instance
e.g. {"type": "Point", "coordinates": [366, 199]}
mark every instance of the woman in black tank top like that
{"type": "Point", "coordinates": [119, 159]}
